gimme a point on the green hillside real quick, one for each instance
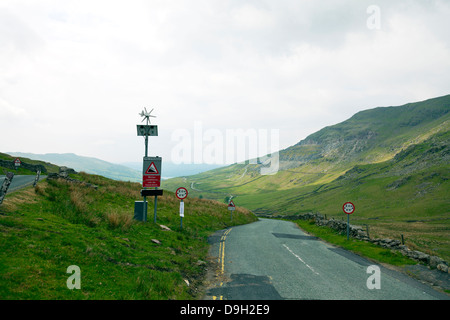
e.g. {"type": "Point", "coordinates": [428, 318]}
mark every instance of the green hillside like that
{"type": "Point", "coordinates": [392, 162]}
{"type": "Point", "coordinates": [57, 224]}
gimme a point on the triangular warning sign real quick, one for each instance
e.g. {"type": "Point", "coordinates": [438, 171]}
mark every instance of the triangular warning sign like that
{"type": "Point", "coordinates": [231, 204]}
{"type": "Point", "coordinates": [151, 169]}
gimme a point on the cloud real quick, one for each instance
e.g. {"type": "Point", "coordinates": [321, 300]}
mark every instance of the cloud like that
{"type": "Point", "coordinates": [17, 37]}
{"type": "Point", "coordinates": [9, 112]}
{"type": "Point", "coordinates": [86, 69]}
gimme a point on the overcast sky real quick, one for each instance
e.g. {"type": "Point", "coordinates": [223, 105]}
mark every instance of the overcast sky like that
{"type": "Point", "coordinates": [75, 74]}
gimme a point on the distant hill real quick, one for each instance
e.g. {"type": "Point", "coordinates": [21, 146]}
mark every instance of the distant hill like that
{"type": "Point", "coordinates": [129, 171]}
{"type": "Point", "coordinates": [86, 164]}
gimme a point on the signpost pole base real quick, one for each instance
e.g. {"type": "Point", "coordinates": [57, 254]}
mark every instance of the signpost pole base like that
{"type": "Point", "coordinates": [154, 213]}
{"type": "Point", "coordinates": [145, 209]}
{"type": "Point", "coordinates": [348, 226]}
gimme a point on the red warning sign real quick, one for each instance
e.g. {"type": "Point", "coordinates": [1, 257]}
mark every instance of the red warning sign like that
{"type": "Point", "coordinates": [152, 169]}
{"type": "Point", "coordinates": [151, 172]}
{"type": "Point", "coordinates": [151, 181]}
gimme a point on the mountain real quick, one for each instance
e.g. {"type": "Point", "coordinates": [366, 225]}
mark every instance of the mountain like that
{"type": "Point", "coordinates": [393, 163]}
{"type": "Point", "coordinates": [371, 137]}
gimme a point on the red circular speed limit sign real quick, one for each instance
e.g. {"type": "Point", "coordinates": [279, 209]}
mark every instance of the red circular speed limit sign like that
{"type": "Point", "coordinates": [181, 193]}
{"type": "Point", "coordinates": [348, 208]}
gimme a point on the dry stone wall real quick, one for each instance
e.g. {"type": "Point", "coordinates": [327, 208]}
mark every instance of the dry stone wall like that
{"type": "Point", "coordinates": [32, 167]}
{"type": "Point", "coordinates": [64, 174]}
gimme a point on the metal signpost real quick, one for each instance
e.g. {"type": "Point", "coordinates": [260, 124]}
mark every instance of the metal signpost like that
{"type": "Point", "coordinates": [231, 207]}
{"type": "Point", "coordinates": [151, 173]}
{"type": "Point", "coordinates": [181, 194]}
{"type": "Point", "coordinates": [348, 208]}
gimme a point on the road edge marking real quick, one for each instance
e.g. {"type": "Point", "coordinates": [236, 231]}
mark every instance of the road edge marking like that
{"type": "Point", "coordinates": [221, 259]}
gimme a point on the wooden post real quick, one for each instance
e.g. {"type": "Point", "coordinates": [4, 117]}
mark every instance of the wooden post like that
{"type": "Point", "coordinates": [5, 185]}
{"type": "Point", "coordinates": [38, 173]}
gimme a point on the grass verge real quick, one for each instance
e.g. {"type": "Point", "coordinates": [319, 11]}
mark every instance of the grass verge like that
{"type": "Point", "coordinates": [46, 229]}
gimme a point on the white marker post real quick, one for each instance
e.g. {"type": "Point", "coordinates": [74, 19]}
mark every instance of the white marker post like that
{"type": "Point", "coordinates": [181, 194]}
{"type": "Point", "coordinates": [348, 208]}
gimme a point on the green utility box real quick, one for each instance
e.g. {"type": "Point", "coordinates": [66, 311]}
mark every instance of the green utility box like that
{"type": "Point", "coordinates": [139, 211]}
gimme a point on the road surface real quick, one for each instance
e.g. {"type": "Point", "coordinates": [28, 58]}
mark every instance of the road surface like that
{"type": "Point", "coordinates": [20, 181]}
{"type": "Point", "coordinates": [275, 260]}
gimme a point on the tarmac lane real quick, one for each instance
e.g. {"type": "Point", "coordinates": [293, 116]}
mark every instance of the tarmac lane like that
{"type": "Point", "coordinates": [20, 181]}
{"type": "Point", "coordinates": [275, 260]}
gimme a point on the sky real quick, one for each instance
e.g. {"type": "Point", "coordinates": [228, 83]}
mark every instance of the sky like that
{"type": "Point", "coordinates": [75, 74]}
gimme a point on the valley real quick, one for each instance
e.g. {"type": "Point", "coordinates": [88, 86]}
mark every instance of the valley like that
{"type": "Point", "coordinates": [392, 162]}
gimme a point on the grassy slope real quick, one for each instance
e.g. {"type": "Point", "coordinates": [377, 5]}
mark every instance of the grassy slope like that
{"type": "Point", "coordinates": [46, 229]}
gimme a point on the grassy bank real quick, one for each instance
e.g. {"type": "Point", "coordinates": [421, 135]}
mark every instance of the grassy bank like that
{"type": "Point", "coordinates": [46, 229]}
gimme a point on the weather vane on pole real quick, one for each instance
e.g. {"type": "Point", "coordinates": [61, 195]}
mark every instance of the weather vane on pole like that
{"type": "Point", "coordinates": [146, 115]}
{"type": "Point", "coordinates": [147, 129]}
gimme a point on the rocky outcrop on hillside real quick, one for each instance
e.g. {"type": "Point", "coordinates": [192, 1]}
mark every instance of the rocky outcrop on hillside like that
{"type": "Point", "coordinates": [64, 174]}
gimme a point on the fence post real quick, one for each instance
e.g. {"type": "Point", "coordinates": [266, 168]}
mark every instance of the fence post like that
{"type": "Point", "coordinates": [38, 173]}
{"type": "Point", "coordinates": [5, 185]}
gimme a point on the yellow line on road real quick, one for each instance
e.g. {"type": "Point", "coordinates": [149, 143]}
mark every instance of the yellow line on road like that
{"type": "Point", "coordinates": [221, 258]}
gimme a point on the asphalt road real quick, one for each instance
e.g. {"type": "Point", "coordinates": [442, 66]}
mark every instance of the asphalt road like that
{"type": "Point", "coordinates": [275, 260]}
{"type": "Point", "coordinates": [20, 181]}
